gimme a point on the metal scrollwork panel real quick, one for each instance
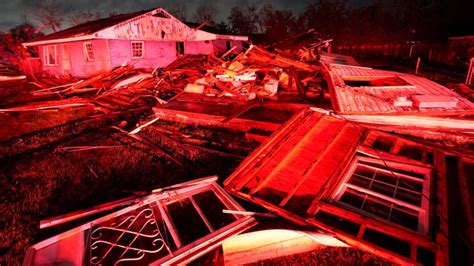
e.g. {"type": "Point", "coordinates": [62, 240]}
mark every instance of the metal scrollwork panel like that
{"type": "Point", "coordinates": [132, 238]}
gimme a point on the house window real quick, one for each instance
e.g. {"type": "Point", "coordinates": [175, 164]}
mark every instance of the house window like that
{"type": "Point", "coordinates": [390, 192]}
{"type": "Point", "coordinates": [203, 210]}
{"type": "Point", "coordinates": [137, 49]}
{"type": "Point", "coordinates": [50, 55]}
{"type": "Point", "coordinates": [179, 48]}
{"type": "Point", "coordinates": [88, 52]}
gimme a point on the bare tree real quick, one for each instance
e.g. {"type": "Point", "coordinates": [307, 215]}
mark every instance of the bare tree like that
{"type": "Point", "coordinates": [82, 17]}
{"type": "Point", "coordinates": [205, 12]}
{"type": "Point", "coordinates": [244, 20]}
{"type": "Point", "coordinates": [50, 15]}
{"type": "Point", "coordinates": [178, 10]}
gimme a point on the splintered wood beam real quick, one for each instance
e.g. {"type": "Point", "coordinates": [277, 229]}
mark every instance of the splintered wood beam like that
{"type": "Point", "coordinates": [70, 217]}
{"type": "Point", "coordinates": [248, 213]}
{"type": "Point", "coordinates": [147, 142]}
{"type": "Point", "coordinates": [442, 228]}
{"type": "Point", "coordinates": [202, 149]}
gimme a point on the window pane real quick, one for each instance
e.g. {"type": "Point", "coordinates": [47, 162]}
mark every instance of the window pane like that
{"type": "Point", "coordinates": [386, 178]}
{"type": "Point", "coordinates": [353, 199]}
{"type": "Point", "coordinates": [360, 181]}
{"type": "Point", "coordinates": [376, 208]}
{"type": "Point", "coordinates": [411, 185]}
{"type": "Point", "coordinates": [187, 221]}
{"type": "Point", "coordinates": [51, 55]}
{"type": "Point", "coordinates": [404, 219]}
{"type": "Point", "coordinates": [378, 190]}
{"type": "Point", "coordinates": [212, 208]}
{"type": "Point", "coordinates": [137, 49]}
{"type": "Point", "coordinates": [364, 171]}
{"type": "Point", "coordinates": [408, 197]}
{"type": "Point", "coordinates": [89, 52]}
{"type": "Point", "coordinates": [383, 189]}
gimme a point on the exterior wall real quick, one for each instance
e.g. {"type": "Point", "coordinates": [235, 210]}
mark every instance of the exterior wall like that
{"type": "Point", "coordinates": [80, 67]}
{"type": "Point", "coordinates": [199, 47]}
{"type": "Point", "coordinates": [239, 45]}
{"type": "Point", "coordinates": [56, 69]}
{"type": "Point", "coordinates": [157, 53]}
{"type": "Point", "coordinates": [71, 59]}
{"type": "Point", "coordinates": [220, 45]}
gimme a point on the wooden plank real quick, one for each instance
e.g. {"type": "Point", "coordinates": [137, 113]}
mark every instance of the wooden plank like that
{"type": "Point", "coordinates": [442, 228]}
{"type": "Point", "coordinates": [366, 150]}
{"type": "Point", "coordinates": [298, 153]}
{"type": "Point", "coordinates": [414, 121]}
{"type": "Point", "coordinates": [278, 155]}
{"type": "Point", "coordinates": [266, 151]}
{"type": "Point", "coordinates": [240, 175]}
{"type": "Point", "coordinates": [317, 156]}
{"type": "Point", "coordinates": [467, 198]}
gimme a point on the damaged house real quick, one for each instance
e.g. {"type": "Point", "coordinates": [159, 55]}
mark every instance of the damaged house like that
{"type": "Point", "coordinates": [145, 39]}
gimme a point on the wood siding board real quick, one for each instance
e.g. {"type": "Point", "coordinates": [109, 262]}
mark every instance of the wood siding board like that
{"type": "Point", "coordinates": [280, 155]}
{"type": "Point", "coordinates": [292, 167]}
{"type": "Point", "coordinates": [156, 53]}
{"type": "Point", "coordinates": [266, 152]}
{"type": "Point", "coordinates": [80, 67]}
{"type": "Point", "coordinates": [240, 175]}
{"type": "Point", "coordinates": [318, 148]}
{"type": "Point", "coordinates": [327, 172]}
{"type": "Point", "coordinates": [198, 47]}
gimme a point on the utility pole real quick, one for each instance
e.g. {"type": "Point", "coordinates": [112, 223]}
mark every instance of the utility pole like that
{"type": "Point", "coordinates": [470, 72]}
{"type": "Point", "coordinates": [417, 66]}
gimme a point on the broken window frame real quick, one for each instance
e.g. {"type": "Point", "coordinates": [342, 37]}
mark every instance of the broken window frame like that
{"type": "Point", "coordinates": [163, 205]}
{"type": "Point", "coordinates": [423, 210]}
{"type": "Point", "coordinates": [47, 58]}
{"type": "Point", "coordinates": [179, 253]}
{"type": "Point", "coordinates": [88, 52]}
{"type": "Point", "coordinates": [348, 79]}
{"type": "Point", "coordinates": [136, 49]}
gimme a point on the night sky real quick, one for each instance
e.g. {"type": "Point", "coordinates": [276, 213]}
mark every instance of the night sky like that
{"type": "Point", "coordinates": [13, 12]}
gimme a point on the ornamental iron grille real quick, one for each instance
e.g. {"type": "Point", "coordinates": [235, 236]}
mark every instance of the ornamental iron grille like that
{"type": "Point", "coordinates": [135, 237]}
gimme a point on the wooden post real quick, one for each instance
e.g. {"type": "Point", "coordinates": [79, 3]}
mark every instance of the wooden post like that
{"type": "Point", "coordinates": [417, 66]}
{"type": "Point", "coordinates": [470, 72]}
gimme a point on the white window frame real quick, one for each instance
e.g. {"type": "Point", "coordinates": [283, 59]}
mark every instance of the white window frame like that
{"type": "Point", "coordinates": [143, 49]}
{"type": "Point", "coordinates": [423, 210]}
{"type": "Point", "coordinates": [87, 53]}
{"type": "Point", "coordinates": [46, 55]}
